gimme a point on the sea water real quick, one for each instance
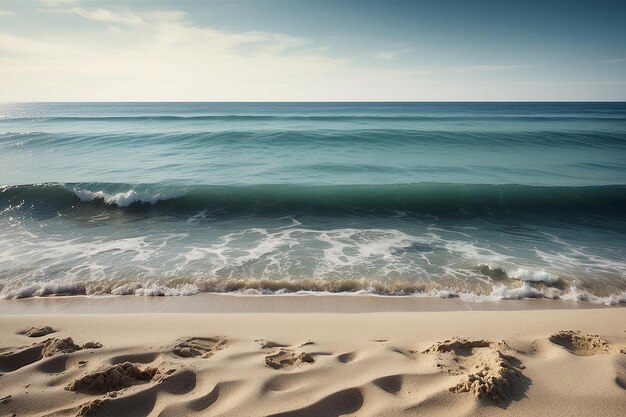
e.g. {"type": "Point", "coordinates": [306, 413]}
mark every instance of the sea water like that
{"type": "Point", "coordinates": [484, 201]}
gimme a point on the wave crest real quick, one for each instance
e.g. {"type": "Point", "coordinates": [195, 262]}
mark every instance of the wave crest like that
{"type": "Point", "coordinates": [400, 199]}
{"type": "Point", "coordinates": [124, 199]}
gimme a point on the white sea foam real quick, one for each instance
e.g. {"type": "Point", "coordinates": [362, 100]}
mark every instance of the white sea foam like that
{"type": "Point", "coordinates": [526, 275]}
{"type": "Point", "coordinates": [163, 290]}
{"type": "Point", "coordinates": [125, 199]}
{"type": "Point", "coordinates": [575, 294]}
{"type": "Point", "coordinates": [40, 289]}
{"type": "Point", "coordinates": [182, 259]}
{"type": "Point", "coordinates": [498, 293]}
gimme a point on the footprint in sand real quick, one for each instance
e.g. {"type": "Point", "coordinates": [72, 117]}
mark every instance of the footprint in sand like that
{"type": "Point", "coordinates": [581, 344]}
{"type": "Point", "coordinates": [578, 343]}
{"type": "Point", "coordinates": [38, 331]}
{"type": "Point", "coordinates": [346, 357]}
{"type": "Point", "coordinates": [287, 357]}
{"type": "Point", "coordinates": [90, 407]}
{"type": "Point", "coordinates": [487, 372]}
{"type": "Point", "coordinates": [199, 346]}
{"type": "Point", "coordinates": [113, 378]}
{"type": "Point", "coordinates": [142, 389]}
{"type": "Point", "coordinates": [30, 354]}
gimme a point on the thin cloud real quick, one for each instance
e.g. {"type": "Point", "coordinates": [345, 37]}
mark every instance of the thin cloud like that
{"type": "Point", "coordinates": [107, 16]}
{"type": "Point", "coordinates": [6, 13]}
{"type": "Point", "coordinates": [161, 55]}
{"type": "Point", "coordinates": [391, 55]}
{"type": "Point", "coordinates": [170, 27]}
{"type": "Point", "coordinates": [474, 68]}
{"type": "Point", "coordinates": [19, 46]}
{"type": "Point", "coordinates": [613, 61]}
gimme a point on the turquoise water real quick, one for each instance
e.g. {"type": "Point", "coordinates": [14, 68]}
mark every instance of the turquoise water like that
{"type": "Point", "coordinates": [479, 200]}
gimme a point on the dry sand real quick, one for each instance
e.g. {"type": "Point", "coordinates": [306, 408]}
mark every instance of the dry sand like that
{"type": "Point", "coordinates": [526, 359]}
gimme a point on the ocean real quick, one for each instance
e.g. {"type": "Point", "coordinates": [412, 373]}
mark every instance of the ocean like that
{"type": "Point", "coordinates": [483, 201]}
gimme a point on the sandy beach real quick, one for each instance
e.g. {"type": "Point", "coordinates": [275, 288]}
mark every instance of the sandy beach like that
{"type": "Point", "coordinates": [262, 356]}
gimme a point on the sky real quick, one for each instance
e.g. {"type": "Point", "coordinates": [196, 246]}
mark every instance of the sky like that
{"type": "Point", "coordinates": [322, 50]}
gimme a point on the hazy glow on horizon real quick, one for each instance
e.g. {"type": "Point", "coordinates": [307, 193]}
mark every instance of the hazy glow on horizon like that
{"type": "Point", "coordinates": [72, 50]}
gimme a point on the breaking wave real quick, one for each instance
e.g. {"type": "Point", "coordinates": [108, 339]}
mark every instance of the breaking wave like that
{"type": "Point", "coordinates": [179, 287]}
{"type": "Point", "coordinates": [420, 198]}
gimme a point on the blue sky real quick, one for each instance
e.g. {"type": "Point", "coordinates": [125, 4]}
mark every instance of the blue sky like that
{"type": "Point", "coordinates": [283, 50]}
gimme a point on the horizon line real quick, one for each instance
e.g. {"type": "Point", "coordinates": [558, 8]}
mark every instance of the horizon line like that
{"type": "Point", "coordinates": [310, 101]}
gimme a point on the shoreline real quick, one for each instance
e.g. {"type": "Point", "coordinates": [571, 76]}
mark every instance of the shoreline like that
{"type": "Point", "coordinates": [275, 303]}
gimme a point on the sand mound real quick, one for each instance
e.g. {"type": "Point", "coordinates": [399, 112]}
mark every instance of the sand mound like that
{"type": "Point", "coordinates": [492, 380]}
{"type": "Point", "coordinates": [287, 357]}
{"type": "Point", "coordinates": [54, 345]}
{"type": "Point", "coordinates": [112, 378]}
{"type": "Point", "coordinates": [583, 344]}
{"type": "Point", "coordinates": [67, 345]}
{"type": "Point", "coordinates": [92, 345]}
{"type": "Point", "coordinates": [461, 346]}
{"type": "Point", "coordinates": [198, 346]}
{"type": "Point", "coordinates": [488, 373]}
{"type": "Point", "coordinates": [38, 331]}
